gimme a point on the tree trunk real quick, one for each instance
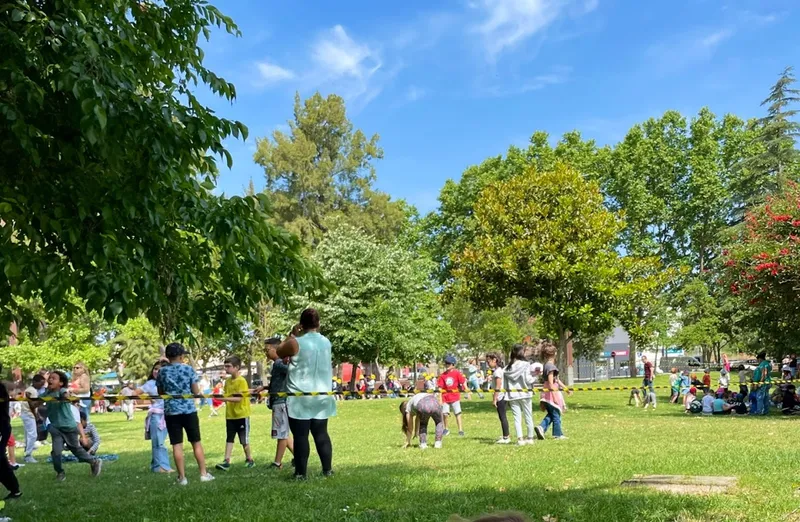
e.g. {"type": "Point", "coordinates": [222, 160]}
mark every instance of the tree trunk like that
{"type": "Point", "coordinates": [353, 375]}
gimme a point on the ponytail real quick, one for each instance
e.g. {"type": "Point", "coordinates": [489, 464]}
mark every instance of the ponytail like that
{"type": "Point", "coordinates": [517, 354]}
{"type": "Point", "coordinates": [406, 429]}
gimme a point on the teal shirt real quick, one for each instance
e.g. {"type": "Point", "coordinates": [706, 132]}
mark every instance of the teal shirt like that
{"type": "Point", "coordinates": [310, 371]}
{"type": "Point", "coordinates": [763, 372]}
{"type": "Point", "coordinates": [60, 413]}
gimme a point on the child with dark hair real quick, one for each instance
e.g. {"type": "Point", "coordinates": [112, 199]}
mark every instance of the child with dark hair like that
{"type": "Point", "coordinates": [499, 396]}
{"type": "Point", "coordinates": [237, 413]}
{"type": "Point", "coordinates": [415, 415]}
{"type": "Point", "coordinates": [63, 429]}
{"type": "Point", "coordinates": [790, 404]}
{"type": "Point", "coordinates": [518, 382]}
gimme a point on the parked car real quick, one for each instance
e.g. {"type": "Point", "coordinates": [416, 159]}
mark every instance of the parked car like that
{"type": "Point", "coordinates": [681, 363]}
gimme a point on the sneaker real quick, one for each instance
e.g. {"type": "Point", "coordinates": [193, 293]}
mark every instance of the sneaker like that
{"type": "Point", "coordinates": [530, 441]}
{"type": "Point", "coordinates": [461, 433]}
{"type": "Point", "coordinates": [183, 481]}
{"type": "Point", "coordinates": [437, 444]}
{"type": "Point", "coordinates": [446, 432]}
{"type": "Point", "coordinates": [423, 446]}
{"type": "Point", "coordinates": [503, 441]}
{"type": "Point", "coordinates": [12, 496]}
{"type": "Point", "coordinates": [225, 466]}
{"type": "Point", "coordinates": [30, 460]}
{"type": "Point", "coordinates": [522, 442]}
{"type": "Point", "coordinates": [299, 478]}
{"type": "Point", "coordinates": [61, 477]}
{"type": "Point", "coordinates": [250, 463]}
{"type": "Point", "coordinates": [208, 477]}
{"type": "Point", "coordinates": [275, 465]}
{"type": "Point", "coordinates": [539, 432]}
{"type": "Point", "coordinates": [328, 473]}
{"type": "Point", "coordinates": [97, 467]}
{"type": "Point", "coordinates": [17, 466]}
{"type": "Point", "coordinates": [561, 437]}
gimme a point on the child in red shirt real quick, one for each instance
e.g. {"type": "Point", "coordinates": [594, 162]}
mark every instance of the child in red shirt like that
{"type": "Point", "coordinates": [450, 384]}
{"type": "Point", "coordinates": [707, 380]}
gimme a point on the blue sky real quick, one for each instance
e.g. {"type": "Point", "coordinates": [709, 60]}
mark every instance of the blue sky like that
{"type": "Point", "coordinates": [447, 84]}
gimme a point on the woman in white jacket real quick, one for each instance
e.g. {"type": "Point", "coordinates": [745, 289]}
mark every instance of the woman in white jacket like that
{"type": "Point", "coordinates": [518, 383]}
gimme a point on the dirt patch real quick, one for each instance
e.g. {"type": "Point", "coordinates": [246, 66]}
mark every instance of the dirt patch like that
{"type": "Point", "coordinates": [683, 484]}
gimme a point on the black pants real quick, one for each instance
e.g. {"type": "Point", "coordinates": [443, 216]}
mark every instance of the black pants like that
{"type": "Point", "coordinates": [319, 430]}
{"type": "Point", "coordinates": [501, 412]}
{"type": "Point", "coordinates": [7, 476]}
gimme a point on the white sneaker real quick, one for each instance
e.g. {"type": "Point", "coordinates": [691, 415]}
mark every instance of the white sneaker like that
{"type": "Point", "coordinates": [423, 446]}
{"type": "Point", "coordinates": [183, 482]}
{"type": "Point", "coordinates": [561, 437]}
{"type": "Point", "coordinates": [503, 441]}
{"type": "Point", "coordinates": [437, 444]}
{"type": "Point", "coordinates": [208, 477]}
{"type": "Point", "coordinates": [530, 441]}
{"type": "Point", "coordinates": [30, 460]}
{"type": "Point", "coordinates": [522, 442]}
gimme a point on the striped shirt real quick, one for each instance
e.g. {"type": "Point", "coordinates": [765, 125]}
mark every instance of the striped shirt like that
{"type": "Point", "coordinates": [93, 436]}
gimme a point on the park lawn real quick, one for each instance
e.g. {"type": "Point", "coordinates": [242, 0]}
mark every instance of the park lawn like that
{"type": "Point", "coordinates": [572, 480]}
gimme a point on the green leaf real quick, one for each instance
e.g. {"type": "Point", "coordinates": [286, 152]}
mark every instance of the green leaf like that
{"type": "Point", "coordinates": [17, 15]}
{"type": "Point", "coordinates": [100, 112]}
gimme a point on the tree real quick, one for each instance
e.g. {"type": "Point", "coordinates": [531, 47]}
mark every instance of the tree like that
{"type": "Point", "coordinates": [134, 347]}
{"type": "Point", "coordinates": [452, 226]}
{"type": "Point", "coordinates": [383, 308]}
{"type": "Point", "coordinates": [323, 170]}
{"type": "Point", "coordinates": [107, 166]}
{"type": "Point", "coordinates": [762, 270]}
{"type": "Point", "coordinates": [483, 330]}
{"type": "Point", "coordinates": [546, 238]}
{"type": "Point", "coordinates": [700, 318]}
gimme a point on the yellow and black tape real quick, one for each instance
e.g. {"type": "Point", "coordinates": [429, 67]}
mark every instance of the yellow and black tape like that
{"type": "Point", "coordinates": [376, 393]}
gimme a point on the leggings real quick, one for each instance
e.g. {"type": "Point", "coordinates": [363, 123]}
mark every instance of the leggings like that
{"type": "Point", "coordinates": [7, 477]}
{"type": "Point", "coordinates": [501, 412]}
{"type": "Point", "coordinates": [319, 430]}
{"type": "Point", "coordinates": [429, 408]}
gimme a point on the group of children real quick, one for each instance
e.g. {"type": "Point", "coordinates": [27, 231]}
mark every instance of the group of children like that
{"type": "Point", "coordinates": [513, 389]}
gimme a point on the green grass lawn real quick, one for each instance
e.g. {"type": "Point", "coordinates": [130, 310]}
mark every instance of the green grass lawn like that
{"type": "Point", "coordinates": [573, 480]}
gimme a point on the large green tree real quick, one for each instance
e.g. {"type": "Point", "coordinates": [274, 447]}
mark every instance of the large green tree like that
{"type": "Point", "coordinates": [134, 347]}
{"type": "Point", "coordinates": [322, 171]}
{"type": "Point", "coordinates": [384, 308]}
{"type": "Point", "coordinates": [107, 163]}
{"type": "Point", "coordinates": [547, 238]}
{"type": "Point", "coordinates": [483, 330]}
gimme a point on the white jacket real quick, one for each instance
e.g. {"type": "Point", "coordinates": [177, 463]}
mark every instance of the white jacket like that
{"type": "Point", "coordinates": [518, 377]}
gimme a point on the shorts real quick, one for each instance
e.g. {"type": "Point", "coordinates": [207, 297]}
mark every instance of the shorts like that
{"type": "Point", "coordinates": [280, 421]}
{"type": "Point", "coordinates": [11, 441]}
{"type": "Point", "coordinates": [239, 427]}
{"type": "Point", "coordinates": [176, 424]}
{"type": "Point", "coordinates": [456, 406]}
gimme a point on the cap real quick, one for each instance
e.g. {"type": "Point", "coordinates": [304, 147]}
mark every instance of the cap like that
{"type": "Point", "coordinates": [174, 350]}
{"type": "Point", "coordinates": [449, 360]}
{"type": "Point", "coordinates": [693, 390]}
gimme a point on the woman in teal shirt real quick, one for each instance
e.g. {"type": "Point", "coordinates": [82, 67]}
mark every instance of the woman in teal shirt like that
{"type": "Point", "coordinates": [762, 381]}
{"type": "Point", "coordinates": [309, 371]}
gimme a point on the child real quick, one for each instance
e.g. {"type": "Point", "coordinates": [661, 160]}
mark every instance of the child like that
{"type": "Point", "coordinates": [416, 412]}
{"type": "Point", "coordinates": [706, 380]}
{"type": "Point", "coordinates": [634, 397]}
{"type": "Point", "coordinates": [28, 416]}
{"type": "Point", "coordinates": [517, 382]}
{"type": "Point", "coordinates": [674, 385]}
{"type": "Point", "coordinates": [738, 405]}
{"type": "Point", "coordinates": [451, 382]}
{"type": "Point", "coordinates": [177, 378]}
{"type": "Point", "coordinates": [7, 476]}
{"type": "Point", "coordinates": [708, 402]}
{"type": "Point", "coordinates": [472, 378]}
{"type": "Point", "coordinates": [743, 375]}
{"type": "Point", "coordinates": [92, 442]}
{"type": "Point", "coordinates": [720, 406]}
{"type": "Point", "coordinates": [551, 399]}
{"type": "Point", "coordinates": [790, 404]}
{"type": "Point", "coordinates": [724, 379]}
{"type": "Point", "coordinates": [237, 413]}
{"type": "Point", "coordinates": [650, 398]}
{"type": "Point", "coordinates": [371, 388]}
{"type": "Point", "coordinates": [691, 396]}
{"type": "Point", "coordinates": [499, 398]}
{"type": "Point", "coordinates": [280, 415]}
{"type": "Point", "coordinates": [686, 383]}
{"type": "Point", "coordinates": [216, 403]}
{"type": "Point", "coordinates": [63, 428]}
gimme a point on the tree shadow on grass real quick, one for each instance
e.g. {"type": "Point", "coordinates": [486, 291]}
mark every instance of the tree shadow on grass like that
{"type": "Point", "coordinates": [426, 490]}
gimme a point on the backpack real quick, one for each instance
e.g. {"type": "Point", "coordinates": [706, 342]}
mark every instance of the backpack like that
{"type": "Point", "coordinates": [696, 406]}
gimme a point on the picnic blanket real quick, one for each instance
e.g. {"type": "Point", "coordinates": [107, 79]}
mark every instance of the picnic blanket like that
{"type": "Point", "coordinates": [72, 458]}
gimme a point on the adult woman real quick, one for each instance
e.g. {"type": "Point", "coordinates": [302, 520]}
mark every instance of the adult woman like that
{"type": "Point", "coordinates": [155, 426]}
{"type": "Point", "coordinates": [309, 372]}
{"type": "Point", "coordinates": [81, 386]}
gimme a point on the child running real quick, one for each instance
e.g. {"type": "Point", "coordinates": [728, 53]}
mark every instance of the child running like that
{"type": "Point", "coordinates": [518, 381]}
{"type": "Point", "coordinates": [551, 399]}
{"type": "Point", "coordinates": [237, 413]}
{"type": "Point", "coordinates": [451, 382]}
{"type": "Point", "coordinates": [416, 412]}
{"type": "Point", "coordinates": [177, 378]}
{"type": "Point", "coordinates": [63, 429]}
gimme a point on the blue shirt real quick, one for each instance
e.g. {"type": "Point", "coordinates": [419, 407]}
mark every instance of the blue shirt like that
{"type": "Point", "coordinates": [718, 405]}
{"type": "Point", "coordinates": [177, 378]}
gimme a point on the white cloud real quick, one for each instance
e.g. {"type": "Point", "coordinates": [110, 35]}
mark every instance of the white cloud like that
{"type": "Point", "coordinates": [415, 93]}
{"type": "Point", "coordinates": [554, 77]}
{"type": "Point", "coordinates": [507, 23]}
{"type": "Point", "coordinates": [270, 73]}
{"type": "Point", "coordinates": [337, 55]}
{"type": "Point", "coordinates": [715, 38]}
{"type": "Point", "coordinates": [687, 49]}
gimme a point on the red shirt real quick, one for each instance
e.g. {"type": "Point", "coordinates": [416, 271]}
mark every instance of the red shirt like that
{"type": "Point", "coordinates": [648, 370]}
{"type": "Point", "coordinates": [452, 379]}
{"type": "Point", "coordinates": [706, 380]}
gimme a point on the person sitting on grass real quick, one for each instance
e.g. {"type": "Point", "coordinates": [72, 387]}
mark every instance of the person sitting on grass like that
{"type": "Point", "coordinates": [706, 380]}
{"type": "Point", "coordinates": [177, 378]}
{"type": "Point", "coordinates": [634, 397]}
{"type": "Point", "coordinates": [415, 415]}
{"type": "Point", "coordinates": [708, 402]}
{"type": "Point", "coordinates": [790, 404]}
{"type": "Point", "coordinates": [92, 442]}
{"type": "Point", "coordinates": [63, 429]}
{"type": "Point", "coordinates": [721, 406]}
{"type": "Point", "coordinates": [237, 413]}
{"type": "Point", "coordinates": [738, 404]}
{"type": "Point", "coordinates": [689, 398]}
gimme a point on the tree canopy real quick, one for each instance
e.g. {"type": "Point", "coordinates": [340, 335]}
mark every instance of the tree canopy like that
{"type": "Point", "coordinates": [107, 165]}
